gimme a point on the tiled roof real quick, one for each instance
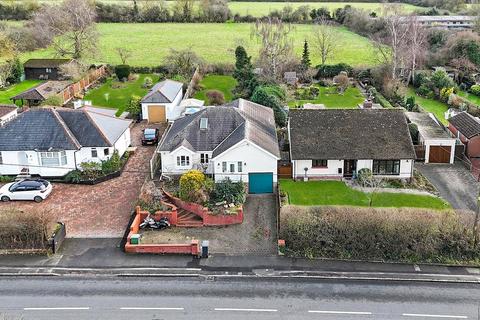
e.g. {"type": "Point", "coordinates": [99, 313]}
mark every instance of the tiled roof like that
{"type": "Point", "coordinates": [163, 92]}
{"type": "Point", "coordinates": [466, 124]}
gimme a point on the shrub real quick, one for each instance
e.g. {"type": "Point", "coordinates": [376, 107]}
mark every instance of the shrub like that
{"type": "Point", "coordinates": [112, 165]}
{"type": "Point", "coordinates": [420, 79]}
{"type": "Point", "coordinates": [54, 101]}
{"type": "Point", "coordinates": [134, 106]}
{"type": "Point", "coordinates": [423, 90]}
{"type": "Point", "coordinates": [194, 187]}
{"type": "Point", "coordinates": [147, 82]}
{"type": "Point", "coordinates": [122, 71]}
{"type": "Point", "coordinates": [475, 89]}
{"type": "Point", "coordinates": [413, 129]}
{"type": "Point", "coordinates": [91, 169]}
{"type": "Point", "coordinates": [410, 103]}
{"type": "Point", "coordinates": [388, 234]}
{"type": "Point", "coordinates": [74, 176]}
{"type": "Point", "coordinates": [269, 97]}
{"type": "Point", "coordinates": [215, 97]}
{"type": "Point", "coordinates": [440, 80]}
{"type": "Point", "coordinates": [6, 178]}
{"type": "Point", "coordinates": [228, 192]}
{"type": "Point", "coordinates": [445, 94]}
{"type": "Point", "coordinates": [364, 176]}
{"type": "Point", "coordinates": [330, 71]}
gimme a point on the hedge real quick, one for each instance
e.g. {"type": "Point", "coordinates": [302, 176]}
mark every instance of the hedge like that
{"type": "Point", "coordinates": [331, 70]}
{"type": "Point", "coordinates": [387, 234]}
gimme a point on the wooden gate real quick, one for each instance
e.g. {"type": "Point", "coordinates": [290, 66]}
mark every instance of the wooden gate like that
{"type": "Point", "coordinates": [284, 170]}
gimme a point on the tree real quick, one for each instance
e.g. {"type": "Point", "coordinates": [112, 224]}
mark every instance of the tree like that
{"type": "Point", "coordinates": [74, 70]}
{"type": "Point", "coordinates": [182, 62]}
{"type": "Point", "coordinates": [324, 39]}
{"type": "Point", "coordinates": [246, 79]}
{"type": "Point", "coordinates": [134, 106]}
{"type": "Point", "coordinates": [264, 95]}
{"type": "Point", "coordinates": [366, 179]}
{"type": "Point", "coordinates": [214, 10]}
{"type": "Point", "coordinates": [16, 71]}
{"type": "Point", "coordinates": [70, 27]}
{"type": "Point", "coordinates": [306, 63]}
{"type": "Point", "coordinates": [275, 46]}
{"type": "Point", "coordinates": [183, 10]}
{"type": "Point", "coordinates": [342, 81]}
{"type": "Point", "coordinates": [124, 54]}
{"type": "Point", "coordinates": [416, 45]}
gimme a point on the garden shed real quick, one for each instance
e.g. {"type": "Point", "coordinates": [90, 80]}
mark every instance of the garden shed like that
{"type": "Point", "coordinates": [434, 143]}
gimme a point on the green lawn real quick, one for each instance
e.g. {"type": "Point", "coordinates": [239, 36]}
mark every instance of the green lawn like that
{"type": "Point", "coordinates": [12, 91]}
{"type": "Point", "coordinates": [224, 84]}
{"type": "Point", "coordinates": [150, 43]}
{"type": "Point", "coordinates": [331, 99]}
{"type": "Point", "coordinates": [469, 96]}
{"type": "Point", "coordinates": [117, 98]}
{"type": "Point", "coordinates": [436, 107]}
{"type": "Point", "coordinates": [331, 193]}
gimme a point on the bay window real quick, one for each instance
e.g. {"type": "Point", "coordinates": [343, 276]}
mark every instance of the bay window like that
{"type": "Point", "coordinates": [53, 159]}
{"type": "Point", "coordinates": [386, 167]}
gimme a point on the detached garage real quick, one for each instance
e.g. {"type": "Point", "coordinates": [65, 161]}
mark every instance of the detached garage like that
{"type": "Point", "coordinates": [438, 145]}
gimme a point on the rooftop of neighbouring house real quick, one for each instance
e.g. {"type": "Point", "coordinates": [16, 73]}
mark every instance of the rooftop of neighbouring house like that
{"type": "Point", "coordinates": [45, 63]}
{"type": "Point", "coordinates": [224, 126]}
{"type": "Point", "coordinates": [42, 91]}
{"type": "Point", "coordinates": [428, 125]}
{"type": "Point", "coordinates": [163, 92]}
{"type": "Point", "coordinates": [6, 109]}
{"type": "Point", "coordinates": [467, 124]}
{"type": "Point", "coordinates": [60, 129]}
{"type": "Point", "coordinates": [336, 134]}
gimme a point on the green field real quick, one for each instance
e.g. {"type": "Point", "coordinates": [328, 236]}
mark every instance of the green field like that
{"type": "Point", "coordinates": [331, 99]}
{"type": "Point", "coordinates": [221, 83]}
{"type": "Point", "coordinates": [215, 42]}
{"type": "Point", "coordinates": [436, 107]}
{"type": "Point", "coordinates": [12, 91]}
{"type": "Point", "coordinates": [336, 193]}
{"type": "Point", "coordinates": [114, 94]}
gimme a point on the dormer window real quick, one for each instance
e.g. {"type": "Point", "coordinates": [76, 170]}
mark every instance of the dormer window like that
{"type": "Point", "coordinates": [203, 123]}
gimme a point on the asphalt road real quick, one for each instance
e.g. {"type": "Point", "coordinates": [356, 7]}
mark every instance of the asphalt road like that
{"type": "Point", "coordinates": [167, 298]}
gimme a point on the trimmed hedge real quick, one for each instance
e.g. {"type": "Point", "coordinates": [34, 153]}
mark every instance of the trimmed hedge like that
{"type": "Point", "coordinates": [122, 71]}
{"type": "Point", "coordinates": [332, 70]}
{"type": "Point", "coordinates": [388, 234]}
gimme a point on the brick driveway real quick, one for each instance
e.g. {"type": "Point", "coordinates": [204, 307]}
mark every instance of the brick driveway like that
{"type": "Point", "coordinates": [102, 210]}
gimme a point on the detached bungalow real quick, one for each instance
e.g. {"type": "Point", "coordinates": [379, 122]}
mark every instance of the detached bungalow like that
{"type": "Point", "coordinates": [236, 141]}
{"type": "Point", "coordinates": [161, 104]}
{"type": "Point", "coordinates": [337, 143]}
{"type": "Point", "coordinates": [51, 142]}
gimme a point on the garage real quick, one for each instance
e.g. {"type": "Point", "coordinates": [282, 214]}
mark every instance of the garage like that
{"type": "Point", "coordinates": [439, 154]}
{"type": "Point", "coordinates": [156, 114]}
{"type": "Point", "coordinates": [261, 182]}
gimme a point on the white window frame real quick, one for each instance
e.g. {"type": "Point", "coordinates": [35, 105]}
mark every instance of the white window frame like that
{"type": "Point", "coordinates": [53, 158]}
{"type": "Point", "coordinates": [92, 151]}
{"type": "Point", "coordinates": [183, 161]}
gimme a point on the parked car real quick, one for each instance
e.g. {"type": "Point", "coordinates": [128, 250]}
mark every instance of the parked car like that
{"type": "Point", "coordinates": [150, 136]}
{"type": "Point", "coordinates": [27, 189]}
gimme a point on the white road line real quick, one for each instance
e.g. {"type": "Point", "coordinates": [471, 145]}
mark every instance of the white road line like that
{"type": "Point", "coordinates": [339, 312]}
{"type": "Point", "coordinates": [56, 308]}
{"type": "Point", "coordinates": [247, 310]}
{"type": "Point", "coordinates": [150, 308]}
{"type": "Point", "coordinates": [433, 316]}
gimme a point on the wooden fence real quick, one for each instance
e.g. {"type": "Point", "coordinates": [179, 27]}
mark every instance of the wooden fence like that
{"type": "Point", "coordinates": [77, 88]}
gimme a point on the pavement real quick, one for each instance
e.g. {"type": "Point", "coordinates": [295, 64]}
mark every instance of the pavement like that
{"type": "Point", "coordinates": [454, 183]}
{"type": "Point", "coordinates": [101, 210]}
{"type": "Point", "coordinates": [204, 298]}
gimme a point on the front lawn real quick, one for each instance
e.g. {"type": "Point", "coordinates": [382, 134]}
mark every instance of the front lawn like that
{"type": "Point", "coordinates": [436, 107]}
{"type": "Point", "coordinates": [115, 94]}
{"type": "Point", "coordinates": [15, 89]}
{"type": "Point", "coordinates": [221, 83]}
{"type": "Point", "coordinates": [332, 99]}
{"type": "Point", "coordinates": [337, 193]}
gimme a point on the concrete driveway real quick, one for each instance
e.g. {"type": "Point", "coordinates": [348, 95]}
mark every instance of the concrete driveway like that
{"type": "Point", "coordinates": [454, 183]}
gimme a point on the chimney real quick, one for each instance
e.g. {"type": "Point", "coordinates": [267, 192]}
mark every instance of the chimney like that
{"type": "Point", "coordinates": [367, 104]}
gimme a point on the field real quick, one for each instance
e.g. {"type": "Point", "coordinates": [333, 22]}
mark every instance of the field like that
{"type": "Point", "coordinates": [331, 99]}
{"type": "Point", "coordinates": [224, 84]}
{"type": "Point", "coordinates": [150, 43]}
{"type": "Point", "coordinates": [11, 91]}
{"type": "Point", "coordinates": [114, 94]}
{"type": "Point", "coordinates": [336, 193]}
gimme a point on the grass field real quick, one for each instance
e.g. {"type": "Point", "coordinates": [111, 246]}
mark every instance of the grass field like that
{"type": "Point", "coordinates": [331, 99]}
{"type": "Point", "coordinates": [151, 42]}
{"type": "Point", "coordinates": [470, 97]}
{"type": "Point", "coordinates": [337, 193]}
{"type": "Point", "coordinates": [436, 107]}
{"type": "Point", "coordinates": [11, 91]}
{"type": "Point", "coordinates": [224, 84]}
{"type": "Point", "coordinates": [117, 98]}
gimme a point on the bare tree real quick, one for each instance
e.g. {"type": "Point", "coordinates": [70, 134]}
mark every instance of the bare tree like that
{"type": "Point", "coordinates": [124, 54]}
{"type": "Point", "coordinates": [69, 26]}
{"type": "Point", "coordinates": [324, 39]}
{"type": "Point", "coordinates": [276, 46]}
{"type": "Point", "coordinates": [342, 81]}
{"type": "Point", "coordinates": [391, 42]}
{"type": "Point", "coordinates": [373, 184]}
{"type": "Point", "coordinates": [73, 70]}
{"type": "Point", "coordinates": [416, 45]}
{"type": "Point", "coordinates": [182, 62]}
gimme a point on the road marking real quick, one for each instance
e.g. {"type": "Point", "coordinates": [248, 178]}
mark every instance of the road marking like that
{"type": "Point", "coordinates": [150, 308]}
{"type": "Point", "coordinates": [247, 310]}
{"type": "Point", "coordinates": [56, 308]}
{"type": "Point", "coordinates": [433, 316]}
{"type": "Point", "coordinates": [339, 312]}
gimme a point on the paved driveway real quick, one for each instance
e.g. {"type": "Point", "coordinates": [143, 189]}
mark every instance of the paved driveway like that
{"type": "Point", "coordinates": [454, 183]}
{"type": "Point", "coordinates": [102, 210]}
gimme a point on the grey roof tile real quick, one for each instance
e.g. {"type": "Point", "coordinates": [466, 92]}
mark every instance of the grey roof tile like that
{"type": "Point", "coordinates": [163, 92]}
{"type": "Point", "coordinates": [466, 124]}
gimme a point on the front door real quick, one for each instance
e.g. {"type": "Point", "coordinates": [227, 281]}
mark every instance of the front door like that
{"type": "Point", "coordinates": [349, 168]}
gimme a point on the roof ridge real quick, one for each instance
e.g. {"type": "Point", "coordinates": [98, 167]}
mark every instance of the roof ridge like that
{"type": "Point", "coordinates": [65, 127]}
{"type": "Point", "coordinates": [104, 115]}
{"type": "Point", "coordinates": [97, 127]}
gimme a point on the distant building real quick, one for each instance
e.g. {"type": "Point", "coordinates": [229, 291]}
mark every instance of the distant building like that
{"type": "Point", "coordinates": [44, 69]}
{"type": "Point", "coordinates": [446, 22]}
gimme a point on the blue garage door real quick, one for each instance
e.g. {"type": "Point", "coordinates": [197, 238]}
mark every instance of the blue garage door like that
{"type": "Point", "coordinates": [260, 182]}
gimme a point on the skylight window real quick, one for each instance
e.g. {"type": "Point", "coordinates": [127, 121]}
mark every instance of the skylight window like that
{"type": "Point", "coordinates": [203, 123]}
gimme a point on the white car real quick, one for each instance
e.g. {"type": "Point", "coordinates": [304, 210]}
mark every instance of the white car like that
{"type": "Point", "coordinates": [27, 189]}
